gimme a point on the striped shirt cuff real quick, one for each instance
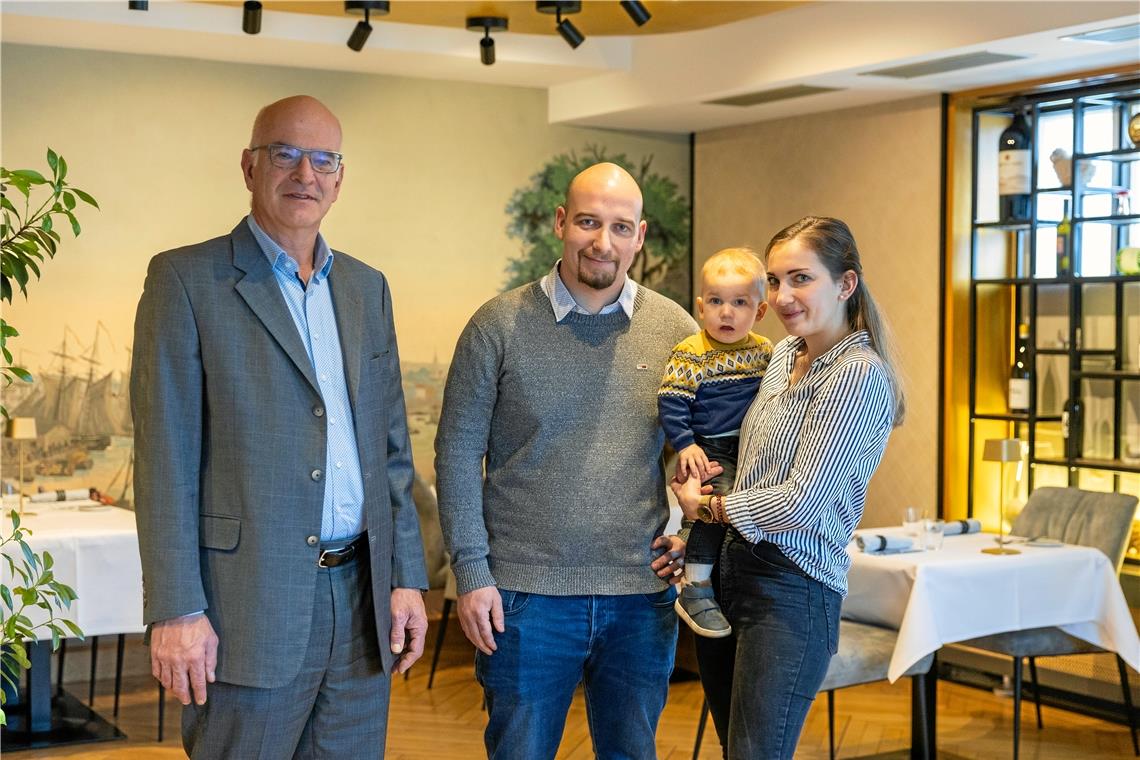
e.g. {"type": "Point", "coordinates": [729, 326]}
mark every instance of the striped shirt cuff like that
{"type": "Point", "coordinates": [736, 511]}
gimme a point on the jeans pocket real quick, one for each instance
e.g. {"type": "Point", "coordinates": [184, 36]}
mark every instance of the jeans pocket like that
{"type": "Point", "coordinates": [831, 608]}
{"type": "Point", "coordinates": [662, 599]}
{"type": "Point", "coordinates": [514, 602]}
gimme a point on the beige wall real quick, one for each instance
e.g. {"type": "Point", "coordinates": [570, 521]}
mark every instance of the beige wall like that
{"type": "Point", "coordinates": [429, 168]}
{"type": "Point", "coordinates": [877, 168]}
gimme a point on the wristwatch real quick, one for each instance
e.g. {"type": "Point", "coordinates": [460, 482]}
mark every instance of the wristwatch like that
{"type": "Point", "coordinates": [706, 512]}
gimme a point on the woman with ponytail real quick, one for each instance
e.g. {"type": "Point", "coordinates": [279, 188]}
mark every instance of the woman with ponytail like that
{"type": "Point", "coordinates": [808, 447]}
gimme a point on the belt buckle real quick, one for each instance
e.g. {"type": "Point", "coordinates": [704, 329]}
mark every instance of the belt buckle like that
{"type": "Point", "coordinates": [341, 555]}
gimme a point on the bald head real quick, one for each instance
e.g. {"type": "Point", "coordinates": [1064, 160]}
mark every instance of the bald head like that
{"type": "Point", "coordinates": [299, 113]}
{"type": "Point", "coordinates": [605, 179]}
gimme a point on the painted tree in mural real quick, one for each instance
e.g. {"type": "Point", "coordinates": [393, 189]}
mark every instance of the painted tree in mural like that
{"type": "Point", "coordinates": [663, 263]}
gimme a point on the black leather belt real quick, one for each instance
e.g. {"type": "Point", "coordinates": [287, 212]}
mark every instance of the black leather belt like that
{"type": "Point", "coordinates": [345, 554]}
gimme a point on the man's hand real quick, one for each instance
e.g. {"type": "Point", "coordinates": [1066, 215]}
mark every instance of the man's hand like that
{"type": "Point", "coordinates": [409, 626]}
{"type": "Point", "coordinates": [479, 610]}
{"type": "Point", "coordinates": [672, 559]}
{"type": "Point", "coordinates": [692, 461]}
{"type": "Point", "coordinates": [184, 655]}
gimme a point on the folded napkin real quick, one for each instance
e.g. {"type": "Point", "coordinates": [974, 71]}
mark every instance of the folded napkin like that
{"type": "Point", "coordinates": [957, 527]}
{"type": "Point", "coordinates": [875, 543]}
{"type": "Point", "coordinates": [71, 494]}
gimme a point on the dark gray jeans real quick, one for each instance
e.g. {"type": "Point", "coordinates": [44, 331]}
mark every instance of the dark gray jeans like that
{"type": "Point", "coordinates": [761, 680]}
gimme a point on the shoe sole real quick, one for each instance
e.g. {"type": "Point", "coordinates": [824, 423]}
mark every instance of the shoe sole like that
{"type": "Point", "coordinates": [698, 629]}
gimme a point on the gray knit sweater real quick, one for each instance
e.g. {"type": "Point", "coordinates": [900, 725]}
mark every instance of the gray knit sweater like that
{"type": "Point", "coordinates": [548, 455]}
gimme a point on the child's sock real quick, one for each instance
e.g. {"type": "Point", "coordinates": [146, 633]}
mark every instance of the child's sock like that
{"type": "Point", "coordinates": [698, 572]}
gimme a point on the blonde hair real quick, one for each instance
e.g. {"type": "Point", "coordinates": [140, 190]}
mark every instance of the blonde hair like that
{"type": "Point", "coordinates": [833, 243]}
{"type": "Point", "coordinates": [739, 260]}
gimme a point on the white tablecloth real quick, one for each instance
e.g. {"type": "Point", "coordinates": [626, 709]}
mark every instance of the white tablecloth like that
{"type": "Point", "coordinates": [95, 551]}
{"type": "Point", "coordinates": [957, 593]}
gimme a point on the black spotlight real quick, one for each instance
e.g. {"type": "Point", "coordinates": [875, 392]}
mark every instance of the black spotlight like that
{"type": "Point", "coordinates": [251, 17]}
{"type": "Point", "coordinates": [637, 11]}
{"type": "Point", "coordinates": [138, 5]}
{"type": "Point", "coordinates": [487, 24]}
{"type": "Point", "coordinates": [565, 27]}
{"type": "Point", "coordinates": [360, 33]}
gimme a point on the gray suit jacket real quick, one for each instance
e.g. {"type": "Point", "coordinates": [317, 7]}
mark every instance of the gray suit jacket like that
{"type": "Point", "coordinates": [229, 431]}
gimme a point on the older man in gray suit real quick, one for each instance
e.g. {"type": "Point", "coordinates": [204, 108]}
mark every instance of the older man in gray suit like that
{"type": "Point", "coordinates": [281, 554]}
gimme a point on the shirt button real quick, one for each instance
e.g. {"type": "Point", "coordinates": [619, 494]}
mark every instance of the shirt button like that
{"type": "Point", "coordinates": [315, 474]}
{"type": "Point", "coordinates": [332, 420]}
{"type": "Point", "coordinates": [312, 540]}
{"type": "Point", "coordinates": [318, 411]}
{"type": "Point", "coordinates": [324, 377]}
{"type": "Point", "coordinates": [339, 465]}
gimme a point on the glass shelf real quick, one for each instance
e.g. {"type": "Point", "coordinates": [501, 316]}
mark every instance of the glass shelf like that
{"type": "Point", "coordinates": [1112, 465]}
{"type": "Point", "coordinates": [1106, 374]}
{"type": "Point", "coordinates": [1123, 154]}
{"type": "Point", "coordinates": [1129, 219]}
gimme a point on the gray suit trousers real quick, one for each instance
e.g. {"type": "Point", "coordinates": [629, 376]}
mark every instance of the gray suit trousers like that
{"type": "Point", "coordinates": [337, 706]}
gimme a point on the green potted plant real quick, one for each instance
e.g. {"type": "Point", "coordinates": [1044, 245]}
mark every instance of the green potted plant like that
{"type": "Point", "coordinates": [27, 238]}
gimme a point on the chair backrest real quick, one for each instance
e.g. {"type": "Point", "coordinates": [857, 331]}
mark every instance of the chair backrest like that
{"type": "Point", "coordinates": [1087, 518]}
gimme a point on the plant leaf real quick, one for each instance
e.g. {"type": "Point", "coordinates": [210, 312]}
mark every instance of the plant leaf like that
{"type": "Point", "coordinates": [85, 197]}
{"type": "Point", "coordinates": [52, 159]}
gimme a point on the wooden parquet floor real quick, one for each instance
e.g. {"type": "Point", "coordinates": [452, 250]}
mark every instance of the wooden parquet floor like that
{"type": "Point", "coordinates": [446, 723]}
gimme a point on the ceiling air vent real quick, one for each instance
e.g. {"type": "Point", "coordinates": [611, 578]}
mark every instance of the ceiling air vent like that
{"type": "Point", "coordinates": [770, 96]}
{"type": "Point", "coordinates": [943, 65]}
{"type": "Point", "coordinates": [1108, 36]}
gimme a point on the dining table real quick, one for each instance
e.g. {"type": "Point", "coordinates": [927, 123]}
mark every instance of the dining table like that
{"type": "Point", "coordinates": [94, 550]}
{"type": "Point", "coordinates": [934, 597]}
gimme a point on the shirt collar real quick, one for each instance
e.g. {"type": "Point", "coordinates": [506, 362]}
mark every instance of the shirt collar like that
{"type": "Point", "coordinates": [857, 338]}
{"type": "Point", "coordinates": [283, 262]}
{"type": "Point", "coordinates": [563, 303]}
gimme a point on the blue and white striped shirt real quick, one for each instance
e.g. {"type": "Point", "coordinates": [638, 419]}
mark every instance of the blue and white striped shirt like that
{"type": "Point", "coordinates": [563, 303]}
{"type": "Point", "coordinates": [807, 452]}
{"type": "Point", "coordinates": [342, 513]}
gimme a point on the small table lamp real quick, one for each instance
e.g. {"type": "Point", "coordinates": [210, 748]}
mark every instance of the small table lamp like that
{"type": "Point", "coordinates": [1001, 450]}
{"type": "Point", "coordinates": [21, 429]}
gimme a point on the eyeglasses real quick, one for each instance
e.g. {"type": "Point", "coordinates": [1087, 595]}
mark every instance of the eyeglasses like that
{"type": "Point", "coordinates": [289, 156]}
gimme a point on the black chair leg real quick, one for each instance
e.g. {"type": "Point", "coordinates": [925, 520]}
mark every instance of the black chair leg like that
{"type": "Point", "coordinates": [161, 709]}
{"type": "Point", "coordinates": [94, 662]}
{"type": "Point", "coordinates": [439, 640]}
{"type": "Point", "coordinates": [831, 724]}
{"type": "Point", "coordinates": [701, 729]}
{"type": "Point", "coordinates": [59, 670]}
{"type": "Point", "coordinates": [1016, 706]}
{"type": "Point", "coordinates": [119, 672]}
{"type": "Point", "coordinates": [1128, 702]}
{"type": "Point", "coordinates": [1036, 691]}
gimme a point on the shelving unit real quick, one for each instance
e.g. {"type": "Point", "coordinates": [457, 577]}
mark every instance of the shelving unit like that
{"type": "Point", "coordinates": [1084, 328]}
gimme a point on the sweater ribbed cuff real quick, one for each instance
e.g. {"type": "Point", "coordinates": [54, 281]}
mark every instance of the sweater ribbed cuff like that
{"type": "Point", "coordinates": [473, 575]}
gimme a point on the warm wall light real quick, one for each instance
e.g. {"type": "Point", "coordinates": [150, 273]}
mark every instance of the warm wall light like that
{"type": "Point", "coordinates": [21, 429]}
{"type": "Point", "coordinates": [487, 24]}
{"type": "Point", "coordinates": [565, 27]}
{"type": "Point", "coordinates": [251, 17]}
{"type": "Point", "coordinates": [637, 11]}
{"type": "Point", "coordinates": [1001, 450]}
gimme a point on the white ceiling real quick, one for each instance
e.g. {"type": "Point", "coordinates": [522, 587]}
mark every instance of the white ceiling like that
{"type": "Point", "coordinates": [649, 82]}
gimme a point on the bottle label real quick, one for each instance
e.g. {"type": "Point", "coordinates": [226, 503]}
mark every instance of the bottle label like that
{"type": "Point", "coordinates": [1018, 394]}
{"type": "Point", "coordinates": [1013, 172]}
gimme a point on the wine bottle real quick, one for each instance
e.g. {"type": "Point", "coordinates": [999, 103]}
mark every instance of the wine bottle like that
{"type": "Point", "coordinates": [1072, 428]}
{"type": "Point", "coordinates": [1014, 170]}
{"type": "Point", "coordinates": [1065, 244]}
{"type": "Point", "coordinates": [1019, 372]}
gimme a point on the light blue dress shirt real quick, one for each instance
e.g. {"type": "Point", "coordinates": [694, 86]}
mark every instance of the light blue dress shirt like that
{"type": "Point", "coordinates": [312, 310]}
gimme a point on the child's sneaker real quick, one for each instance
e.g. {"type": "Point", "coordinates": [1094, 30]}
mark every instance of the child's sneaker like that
{"type": "Point", "coordinates": [698, 607]}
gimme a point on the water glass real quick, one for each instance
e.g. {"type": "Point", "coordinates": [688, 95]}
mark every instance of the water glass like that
{"type": "Point", "coordinates": [932, 532]}
{"type": "Point", "coordinates": [912, 522]}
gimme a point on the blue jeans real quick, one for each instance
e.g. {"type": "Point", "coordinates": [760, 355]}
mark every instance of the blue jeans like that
{"type": "Point", "coordinates": [761, 680]}
{"type": "Point", "coordinates": [619, 647]}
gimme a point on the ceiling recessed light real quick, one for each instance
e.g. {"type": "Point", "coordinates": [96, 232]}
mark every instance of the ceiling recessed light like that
{"type": "Point", "coordinates": [1109, 36]}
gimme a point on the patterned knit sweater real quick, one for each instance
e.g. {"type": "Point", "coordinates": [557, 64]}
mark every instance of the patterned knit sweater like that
{"type": "Point", "coordinates": [708, 386]}
{"type": "Point", "coordinates": [548, 455]}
